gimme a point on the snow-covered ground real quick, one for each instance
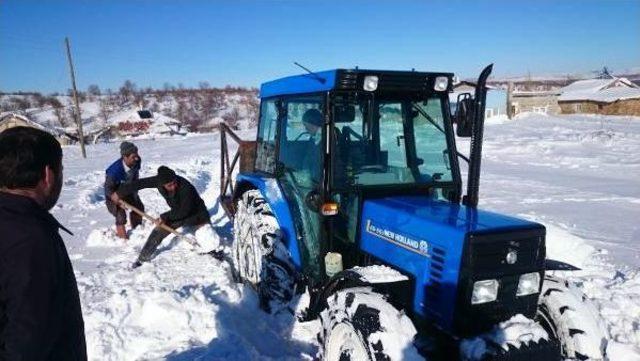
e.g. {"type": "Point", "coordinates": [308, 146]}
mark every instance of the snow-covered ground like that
{"type": "Point", "coordinates": [578, 175]}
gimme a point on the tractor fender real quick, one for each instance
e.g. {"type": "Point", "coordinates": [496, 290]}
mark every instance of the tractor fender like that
{"type": "Point", "coordinates": [381, 279]}
{"type": "Point", "coordinates": [272, 193]}
{"type": "Point", "coordinates": [553, 265]}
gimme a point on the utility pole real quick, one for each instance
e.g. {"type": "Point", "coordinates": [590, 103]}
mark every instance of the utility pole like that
{"type": "Point", "coordinates": [75, 99]}
{"type": "Point", "coordinates": [510, 100]}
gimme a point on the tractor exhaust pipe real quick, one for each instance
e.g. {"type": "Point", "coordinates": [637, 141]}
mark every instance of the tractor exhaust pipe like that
{"type": "Point", "coordinates": [477, 131]}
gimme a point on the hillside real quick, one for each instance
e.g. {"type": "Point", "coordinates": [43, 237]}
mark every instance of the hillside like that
{"type": "Point", "coordinates": [198, 109]}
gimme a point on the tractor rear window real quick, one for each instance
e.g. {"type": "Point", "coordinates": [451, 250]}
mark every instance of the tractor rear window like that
{"type": "Point", "coordinates": [392, 142]}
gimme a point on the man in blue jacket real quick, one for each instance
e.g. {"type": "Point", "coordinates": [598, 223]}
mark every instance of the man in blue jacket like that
{"type": "Point", "coordinates": [40, 314]}
{"type": "Point", "coordinates": [125, 169]}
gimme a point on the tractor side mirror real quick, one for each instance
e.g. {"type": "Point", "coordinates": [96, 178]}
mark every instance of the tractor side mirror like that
{"type": "Point", "coordinates": [344, 113]}
{"type": "Point", "coordinates": [464, 115]}
{"type": "Point", "coordinates": [313, 201]}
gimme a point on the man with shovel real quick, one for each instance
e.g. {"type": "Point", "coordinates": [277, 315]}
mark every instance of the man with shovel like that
{"type": "Point", "coordinates": [187, 208]}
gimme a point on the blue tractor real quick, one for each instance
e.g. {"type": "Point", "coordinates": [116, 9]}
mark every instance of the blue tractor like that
{"type": "Point", "coordinates": [352, 193]}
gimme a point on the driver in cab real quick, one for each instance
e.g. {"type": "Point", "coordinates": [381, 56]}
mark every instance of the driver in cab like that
{"type": "Point", "coordinates": [312, 161]}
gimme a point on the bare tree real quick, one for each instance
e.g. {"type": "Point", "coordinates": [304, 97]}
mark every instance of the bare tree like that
{"type": "Point", "coordinates": [58, 110]}
{"type": "Point", "coordinates": [94, 90]}
{"type": "Point", "coordinates": [107, 108]}
{"type": "Point", "coordinates": [253, 110]}
{"type": "Point", "coordinates": [19, 103]}
{"type": "Point", "coordinates": [232, 119]}
{"type": "Point", "coordinates": [39, 100]}
{"type": "Point", "coordinates": [127, 91]}
{"type": "Point", "coordinates": [211, 104]}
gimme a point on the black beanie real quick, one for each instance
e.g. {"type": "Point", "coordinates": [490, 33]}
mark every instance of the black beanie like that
{"type": "Point", "coordinates": [166, 175]}
{"type": "Point", "coordinates": [127, 148]}
{"type": "Point", "coordinates": [313, 116]}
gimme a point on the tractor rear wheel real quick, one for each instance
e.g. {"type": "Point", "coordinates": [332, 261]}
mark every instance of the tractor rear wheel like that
{"type": "Point", "coordinates": [566, 314]}
{"type": "Point", "coordinates": [359, 324]}
{"type": "Point", "coordinates": [258, 250]}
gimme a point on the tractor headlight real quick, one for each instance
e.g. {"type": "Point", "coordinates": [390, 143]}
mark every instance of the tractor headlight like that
{"type": "Point", "coordinates": [370, 83]}
{"type": "Point", "coordinates": [529, 284]}
{"type": "Point", "coordinates": [484, 291]}
{"type": "Point", "coordinates": [441, 84]}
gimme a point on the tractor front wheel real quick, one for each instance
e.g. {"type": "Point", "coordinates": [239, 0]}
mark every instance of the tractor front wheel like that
{"type": "Point", "coordinates": [359, 324]}
{"type": "Point", "coordinates": [258, 252]}
{"type": "Point", "coordinates": [566, 314]}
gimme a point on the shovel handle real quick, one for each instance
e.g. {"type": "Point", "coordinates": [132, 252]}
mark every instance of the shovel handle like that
{"type": "Point", "coordinates": [154, 220]}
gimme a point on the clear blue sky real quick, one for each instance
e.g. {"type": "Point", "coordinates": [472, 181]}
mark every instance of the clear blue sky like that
{"type": "Point", "coordinates": [245, 42]}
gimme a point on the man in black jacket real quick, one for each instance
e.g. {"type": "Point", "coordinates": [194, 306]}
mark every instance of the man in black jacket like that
{"type": "Point", "coordinates": [40, 314]}
{"type": "Point", "coordinates": [187, 208]}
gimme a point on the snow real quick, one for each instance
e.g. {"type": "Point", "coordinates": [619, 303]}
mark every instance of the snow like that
{"type": "Point", "coordinates": [578, 175]}
{"type": "Point", "coordinates": [516, 332]}
{"type": "Point", "coordinates": [379, 274]}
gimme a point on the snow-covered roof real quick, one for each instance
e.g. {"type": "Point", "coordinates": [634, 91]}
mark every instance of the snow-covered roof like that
{"type": "Point", "coordinates": [600, 90]}
{"type": "Point", "coordinates": [11, 115]}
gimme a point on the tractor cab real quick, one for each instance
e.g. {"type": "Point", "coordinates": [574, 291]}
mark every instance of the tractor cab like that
{"type": "Point", "coordinates": [353, 134]}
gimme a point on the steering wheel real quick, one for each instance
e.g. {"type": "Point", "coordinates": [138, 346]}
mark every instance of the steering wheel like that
{"type": "Point", "coordinates": [300, 136]}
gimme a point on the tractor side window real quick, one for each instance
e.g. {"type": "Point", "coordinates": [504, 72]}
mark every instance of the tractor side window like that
{"type": "Point", "coordinates": [301, 139]}
{"type": "Point", "coordinates": [266, 151]}
{"type": "Point", "coordinates": [431, 144]}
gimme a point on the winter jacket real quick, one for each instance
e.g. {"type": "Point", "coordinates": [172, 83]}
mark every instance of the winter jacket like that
{"type": "Point", "coordinates": [40, 315]}
{"type": "Point", "coordinates": [184, 203]}
{"type": "Point", "coordinates": [116, 174]}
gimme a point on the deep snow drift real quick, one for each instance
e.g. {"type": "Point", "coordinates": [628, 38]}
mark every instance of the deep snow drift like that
{"type": "Point", "coordinates": [577, 175]}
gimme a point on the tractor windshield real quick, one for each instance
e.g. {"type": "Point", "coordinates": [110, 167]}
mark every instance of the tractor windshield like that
{"type": "Point", "coordinates": [389, 141]}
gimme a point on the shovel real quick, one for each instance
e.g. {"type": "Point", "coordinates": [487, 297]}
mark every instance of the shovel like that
{"type": "Point", "coordinates": [184, 237]}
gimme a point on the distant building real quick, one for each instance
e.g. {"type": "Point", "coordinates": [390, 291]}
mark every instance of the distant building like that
{"type": "Point", "coordinates": [612, 96]}
{"type": "Point", "coordinates": [11, 120]}
{"type": "Point", "coordinates": [496, 103]}
{"type": "Point", "coordinates": [544, 102]}
{"type": "Point", "coordinates": [138, 122]}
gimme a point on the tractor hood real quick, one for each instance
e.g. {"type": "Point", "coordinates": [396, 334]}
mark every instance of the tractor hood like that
{"type": "Point", "coordinates": [426, 238]}
{"type": "Point", "coordinates": [449, 215]}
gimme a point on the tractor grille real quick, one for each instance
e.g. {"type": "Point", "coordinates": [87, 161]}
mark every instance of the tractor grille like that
{"type": "Point", "coordinates": [484, 257]}
{"type": "Point", "coordinates": [433, 290]}
{"type": "Point", "coordinates": [488, 256]}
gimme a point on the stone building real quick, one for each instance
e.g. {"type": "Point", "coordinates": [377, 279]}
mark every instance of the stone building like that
{"type": "Point", "coordinates": [545, 102]}
{"type": "Point", "coordinates": [612, 96]}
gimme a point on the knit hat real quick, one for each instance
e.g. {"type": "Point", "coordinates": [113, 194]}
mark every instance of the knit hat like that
{"type": "Point", "coordinates": [166, 175]}
{"type": "Point", "coordinates": [127, 148]}
{"type": "Point", "coordinates": [313, 116]}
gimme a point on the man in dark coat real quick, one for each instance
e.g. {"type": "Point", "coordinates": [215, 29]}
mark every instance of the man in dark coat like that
{"type": "Point", "coordinates": [40, 314]}
{"type": "Point", "coordinates": [124, 170]}
{"type": "Point", "coordinates": [187, 208]}
{"type": "Point", "coordinates": [312, 120]}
